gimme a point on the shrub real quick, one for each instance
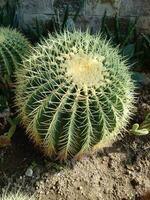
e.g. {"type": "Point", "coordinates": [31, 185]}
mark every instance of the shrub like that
{"type": "Point", "coordinates": [13, 46]}
{"type": "Point", "coordinates": [74, 94]}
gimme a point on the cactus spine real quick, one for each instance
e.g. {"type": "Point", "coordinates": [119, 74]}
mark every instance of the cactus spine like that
{"type": "Point", "coordinates": [74, 93]}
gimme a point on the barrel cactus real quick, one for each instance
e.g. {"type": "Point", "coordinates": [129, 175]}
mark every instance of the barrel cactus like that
{"type": "Point", "coordinates": [13, 46]}
{"type": "Point", "coordinates": [15, 196]}
{"type": "Point", "coordinates": [74, 94]}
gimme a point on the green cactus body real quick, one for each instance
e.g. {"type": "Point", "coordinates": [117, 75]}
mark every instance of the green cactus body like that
{"type": "Point", "coordinates": [13, 46]}
{"type": "Point", "coordinates": [74, 94]}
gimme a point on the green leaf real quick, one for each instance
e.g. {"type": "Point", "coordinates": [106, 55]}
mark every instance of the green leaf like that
{"type": "Point", "coordinates": [13, 122]}
{"type": "Point", "coordinates": [138, 78]}
{"type": "Point", "coordinates": [130, 33]}
{"type": "Point", "coordinates": [117, 29]}
{"type": "Point", "coordinates": [103, 22]}
{"type": "Point", "coordinates": [129, 50]}
{"type": "Point", "coordinates": [146, 122]}
{"type": "Point", "coordinates": [136, 130]}
{"type": "Point", "coordinates": [66, 16]}
{"type": "Point", "coordinates": [108, 32]}
{"type": "Point", "coordinates": [78, 10]}
{"type": "Point", "coordinates": [147, 39]}
{"type": "Point", "coordinates": [3, 104]}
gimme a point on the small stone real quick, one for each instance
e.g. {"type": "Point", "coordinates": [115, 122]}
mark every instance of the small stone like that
{"type": "Point", "coordinates": [128, 172]}
{"type": "Point", "coordinates": [41, 192]}
{"type": "Point", "coordinates": [105, 191]}
{"type": "Point", "coordinates": [41, 183]}
{"type": "Point", "coordinates": [46, 175]}
{"type": "Point", "coordinates": [47, 192]}
{"type": "Point", "coordinates": [37, 173]}
{"type": "Point", "coordinates": [29, 172]}
{"type": "Point", "coordinates": [53, 187]}
{"type": "Point", "coordinates": [79, 188]}
{"type": "Point", "coordinates": [47, 181]}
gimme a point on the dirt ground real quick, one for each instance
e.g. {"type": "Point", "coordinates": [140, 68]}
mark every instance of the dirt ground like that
{"type": "Point", "coordinates": [118, 172]}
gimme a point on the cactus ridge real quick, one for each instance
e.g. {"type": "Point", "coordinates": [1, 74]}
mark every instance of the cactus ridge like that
{"type": "Point", "coordinates": [73, 93]}
{"type": "Point", "coordinates": [13, 46]}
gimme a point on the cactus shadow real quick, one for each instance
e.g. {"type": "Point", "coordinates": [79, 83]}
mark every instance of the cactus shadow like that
{"type": "Point", "coordinates": [22, 154]}
{"type": "Point", "coordinates": [133, 148]}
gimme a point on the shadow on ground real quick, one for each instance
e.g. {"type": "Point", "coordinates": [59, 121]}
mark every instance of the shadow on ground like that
{"type": "Point", "coordinates": [126, 152]}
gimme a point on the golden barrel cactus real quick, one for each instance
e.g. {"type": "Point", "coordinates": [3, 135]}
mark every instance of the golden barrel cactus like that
{"type": "Point", "coordinates": [74, 94]}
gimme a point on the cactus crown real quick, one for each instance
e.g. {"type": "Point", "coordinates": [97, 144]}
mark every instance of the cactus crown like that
{"type": "Point", "coordinates": [13, 46]}
{"type": "Point", "coordinates": [82, 69]}
{"type": "Point", "coordinates": [74, 93]}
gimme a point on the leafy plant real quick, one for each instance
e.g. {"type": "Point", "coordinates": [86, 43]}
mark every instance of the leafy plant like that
{"type": "Point", "coordinates": [133, 46]}
{"type": "Point", "coordinates": [74, 94]}
{"type": "Point", "coordinates": [3, 103]}
{"type": "Point", "coordinates": [13, 47]}
{"type": "Point", "coordinates": [68, 21]}
{"type": "Point", "coordinates": [145, 50]}
{"type": "Point", "coordinates": [146, 41]}
{"type": "Point", "coordinates": [5, 139]}
{"type": "Point", "coordinates": [38, 32]}
{"type": "Point", "coordinates": [8, 15]}
{"type": "Point", "coordinates": [58, 23]}
{"type": "Point", "coordinates": [143, 128]}
{"type": "Point", "coordinates": [127, 40]}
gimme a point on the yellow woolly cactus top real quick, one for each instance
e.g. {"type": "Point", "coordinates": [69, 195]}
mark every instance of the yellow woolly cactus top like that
{"type": "Point", "coordinates": [85, 70]}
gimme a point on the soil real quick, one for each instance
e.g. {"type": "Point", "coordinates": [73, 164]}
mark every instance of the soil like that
{"type": "Point", "coordinates": [118, 172]}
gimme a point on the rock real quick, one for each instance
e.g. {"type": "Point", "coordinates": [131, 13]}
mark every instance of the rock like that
{"type": "Point", "coordinates": [29, 172]}
{"type": "Point", "coordinates": [134, 182]}
{"type": "Point", "coordinates": [37, 173]}
{"type": "Point", "coordinates": [79, 188]}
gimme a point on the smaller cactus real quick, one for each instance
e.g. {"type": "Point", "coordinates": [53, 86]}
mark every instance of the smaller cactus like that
{"type": "Point", "coordinates": [143, 128]}
{"type": "Point", "coordinates": [13, 46]}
